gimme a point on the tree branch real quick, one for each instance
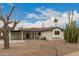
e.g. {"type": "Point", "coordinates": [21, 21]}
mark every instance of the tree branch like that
{"type": "Point", "coordinates": [15, 23]}
{"type": "Point", "coordinates": [8, 17]}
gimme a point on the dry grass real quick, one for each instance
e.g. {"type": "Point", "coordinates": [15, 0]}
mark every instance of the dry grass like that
{"type": "Point", "coordinates": [39, 48]}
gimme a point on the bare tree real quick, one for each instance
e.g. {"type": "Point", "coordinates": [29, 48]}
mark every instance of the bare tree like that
{"type": "Point", "coordinates": [6, 29]}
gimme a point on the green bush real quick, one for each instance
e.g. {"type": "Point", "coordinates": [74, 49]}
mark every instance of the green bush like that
{"type": "Point", "coordinates": [71, 32]}
{"type": "Point", "coordinates": [43, 38]}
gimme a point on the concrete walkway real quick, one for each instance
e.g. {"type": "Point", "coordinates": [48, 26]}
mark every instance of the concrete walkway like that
{"type": "Point", "coordinates": [73, 54]}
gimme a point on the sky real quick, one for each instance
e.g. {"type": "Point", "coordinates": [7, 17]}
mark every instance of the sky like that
{"type": "Point", "coordinates": [35, 14]}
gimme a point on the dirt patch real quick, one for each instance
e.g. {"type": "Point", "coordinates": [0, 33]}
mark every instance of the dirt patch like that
{"type": "Point", "coordinates": [39, 48]}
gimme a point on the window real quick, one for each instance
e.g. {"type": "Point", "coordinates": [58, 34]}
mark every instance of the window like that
{"type": "Point", "coordinates": [39, 33]}
{"type": "Point", "coordinates": [57, 32]}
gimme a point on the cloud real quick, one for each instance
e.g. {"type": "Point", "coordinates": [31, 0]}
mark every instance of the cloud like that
{"type": "Point", "coordinates": [23, 24]}
{"type": "Point", "coordinates": [32, 15]}
{"type": "Point", "coordinates": [29, 25]}
{"type": "Point", "coordinates": [43, 17]}
{"type": "Point", "coordinates": [44, 14]}
{"type": "Point", "coordinates": [48, 12]}
{"type": "Point", "coordinates": [41, 9]}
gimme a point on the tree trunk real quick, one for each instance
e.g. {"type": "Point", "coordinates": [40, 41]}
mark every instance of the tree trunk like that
{"type": "Point", "coordinates": [6, 40]}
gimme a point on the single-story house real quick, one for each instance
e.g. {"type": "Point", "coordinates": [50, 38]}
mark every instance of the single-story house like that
{"type": "Point", "coordinates": [37, 33]}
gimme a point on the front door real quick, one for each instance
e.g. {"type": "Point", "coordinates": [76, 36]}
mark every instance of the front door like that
{"type": "Point", "coordinates": [27, 36]}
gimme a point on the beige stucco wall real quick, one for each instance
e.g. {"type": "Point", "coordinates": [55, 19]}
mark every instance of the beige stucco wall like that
{"type": "Point", "coordinates": [57, 36]}
{"type": "Point", "coordinates": [50, 34]}
{"type": "Point", "coordinates": [46, 34]}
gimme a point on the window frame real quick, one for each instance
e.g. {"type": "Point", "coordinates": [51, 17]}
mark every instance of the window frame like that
{"type": "Point", "coordinates": [56, 32]}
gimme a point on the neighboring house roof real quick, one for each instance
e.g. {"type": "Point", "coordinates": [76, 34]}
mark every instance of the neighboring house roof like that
{"type": "Point", "coordinates": [39, 29]}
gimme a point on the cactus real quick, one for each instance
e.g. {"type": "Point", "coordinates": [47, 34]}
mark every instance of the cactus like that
{"type": "Point", "coordinates": [71, 32]}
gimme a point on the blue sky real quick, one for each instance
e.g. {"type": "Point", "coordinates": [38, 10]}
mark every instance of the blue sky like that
{"type": "Point", "coordinates": [29, 7]}
{"type": "Point", "coordinates": [32, 12]}
{"type": "Point", "coordinates": [23, 8]}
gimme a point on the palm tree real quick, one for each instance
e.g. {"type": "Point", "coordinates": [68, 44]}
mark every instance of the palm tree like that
{"type": "Point", "coordinates": [55, 21]}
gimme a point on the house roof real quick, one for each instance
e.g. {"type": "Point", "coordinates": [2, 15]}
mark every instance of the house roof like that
{"type": "Point", "coordinates": [39, 29]}
{"type": "Point", "coordinates": [52, 28]}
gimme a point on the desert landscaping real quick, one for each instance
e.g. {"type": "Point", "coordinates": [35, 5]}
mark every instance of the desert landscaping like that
{"type": "Point", "coordinates": [40, 39]}
{"type": "Point", "coordinates": [38, 48]}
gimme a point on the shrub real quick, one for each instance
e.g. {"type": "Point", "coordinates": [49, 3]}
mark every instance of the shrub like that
{"type": "Point", "coordinates": [43, 38]}
{"type": "Point", "coordinates": [71, 32]}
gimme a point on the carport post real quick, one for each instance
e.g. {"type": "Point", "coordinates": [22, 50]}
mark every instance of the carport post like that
{"type": "Point", "coordinates": [22, 34]}
{"type": "Point", "coordinates": [34, 35]}
{"type": "Point", "coordinates": [9, 35]}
